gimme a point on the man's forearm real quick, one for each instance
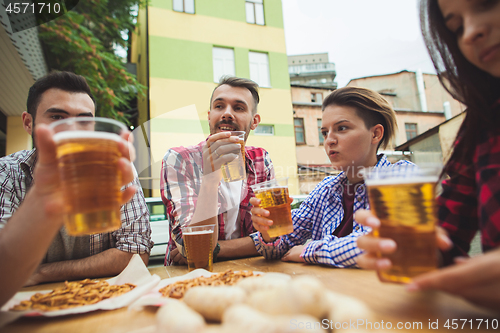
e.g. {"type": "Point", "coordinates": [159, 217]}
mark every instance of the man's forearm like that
{"type": "Point", "coordinates": [24, 241]}
{"type": "Point", "coordinates": [108, 263]}
{"type": "Point", "coordinates": [206, 209]}
{"type": "Point", "coordinates": [237, 248]}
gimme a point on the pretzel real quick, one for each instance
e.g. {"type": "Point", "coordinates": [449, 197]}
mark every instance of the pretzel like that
{"type": "Point", "coordinates": [227, 278]}
{"type": "Point", "coordinates": [73, 294]}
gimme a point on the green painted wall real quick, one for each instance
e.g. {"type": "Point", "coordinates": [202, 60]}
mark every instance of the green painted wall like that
{"type": "Point", "coordinates": [241, 63]}
{"type": "Point", "coordinates": [191, 126]}
{"type": "Point", "coordinates": [193, 61]}
{"type": "Point", "coordinates": [278, 67]}
{"type": "Point", "coordinates": [230, 10]}
{"type": "Point", "coordinates": [180, 59]}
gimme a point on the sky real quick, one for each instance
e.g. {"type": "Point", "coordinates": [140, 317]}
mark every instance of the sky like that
{"type": "Point", "coordinates": [362, 37]}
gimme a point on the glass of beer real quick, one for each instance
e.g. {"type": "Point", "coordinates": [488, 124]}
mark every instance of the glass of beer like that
{"type": "Point", "coordinates": [198, 245]}
{"type": "Point", "coordinates": [404, 202]}
{"type": "Point", "coordinates": [273, 196]}
{"type": "Point", "coordinates": [235, 170]}
{"type": "Point", "coordinates": [88, 154]}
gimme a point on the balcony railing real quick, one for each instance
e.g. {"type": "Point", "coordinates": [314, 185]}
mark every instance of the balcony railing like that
{"type": "Point", "coordinates": [311, 68]}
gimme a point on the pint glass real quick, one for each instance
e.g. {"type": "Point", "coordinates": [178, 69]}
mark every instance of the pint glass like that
{"type": "Point", "coordinates": [88, 154]}
{"type": "Point", "coordinates": [235, 170]}
{"type": "Point", "coordinates": [198, 245]}
{"type": "Point", "coordinates": [273, 196]}
{"type": "Point", "coordinates": [405, 204]}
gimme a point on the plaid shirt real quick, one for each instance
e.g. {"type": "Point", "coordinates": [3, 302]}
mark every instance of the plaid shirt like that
{"type": "Point", "coordinates": [180, 183]}
{"type": "Point", "coordinates": [470, 200]}
{"type": "Point", "coordinates": [16, 177]}
{"type": "Point", "coordinates": [318, 217]}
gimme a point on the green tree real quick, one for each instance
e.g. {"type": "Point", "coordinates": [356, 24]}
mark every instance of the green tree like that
{"type": "Point", "coordinates": [83, 41]}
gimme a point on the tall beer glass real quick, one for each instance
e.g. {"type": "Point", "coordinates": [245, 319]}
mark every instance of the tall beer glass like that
{"type": "Point", "coordinates": [235, 170]}
{"type": "Point", "coordinates": [405, 204]}
{"type": "Point", "coordinates": [88, 154]}
{"type": "Point", "coordinates": [273, 196]}
{"type": "Point", "coordinates": [198, 245]}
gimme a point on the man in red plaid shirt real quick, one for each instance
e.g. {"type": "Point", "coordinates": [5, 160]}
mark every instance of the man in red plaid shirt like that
{"type": "Point", "coordinates": [191, 185]}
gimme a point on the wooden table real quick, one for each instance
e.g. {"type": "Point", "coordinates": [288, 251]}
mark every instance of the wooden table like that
{"type": "Point", "coordinates": [390, 302]}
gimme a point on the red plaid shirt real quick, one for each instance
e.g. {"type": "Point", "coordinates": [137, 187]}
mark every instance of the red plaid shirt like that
{"type": "Point", "coordinates": [470, 200]}
{"type": "Point", "coordinates": [180, 183]}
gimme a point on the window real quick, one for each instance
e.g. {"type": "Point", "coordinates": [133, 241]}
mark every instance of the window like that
{"type": "Point", "coordinates": [223, 60]}
{"type": "Point", "coordinates": [411, 130]}
{"type": "Point", "coordinates": [255, 11]}
{"type": "Point", "coordinates": [321, 139]}
{"type": "Point", "coordinates": [316, 97]}
{"type": "Point", "coordinates": [264, 130]}
{"type": "Point", "coordinates": [186, 6]}
{"type": "Point", "coordinates": [259, 68]}
{"type": "Point", "coordinates": [299, 131]}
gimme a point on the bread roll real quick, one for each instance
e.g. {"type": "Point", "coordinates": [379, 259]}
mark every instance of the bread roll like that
{"type": "Point", "coordinates": [211, 302]}
{"type": "Point", "coordinates": [302, 295]}
{"type": "Point", "coordinates": [177, 317]}
{"type": "Point", "coordinates": [243, 318]}
{"type": "Point", "coordinates": [263, 282]}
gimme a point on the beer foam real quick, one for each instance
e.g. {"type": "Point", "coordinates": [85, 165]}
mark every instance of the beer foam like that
{"type": "Point", "coordinates": [202, 232]}
{"type": "Point", "coordinates": [400, 180]}
{"type": "Point", "coordinates": [85, 135]}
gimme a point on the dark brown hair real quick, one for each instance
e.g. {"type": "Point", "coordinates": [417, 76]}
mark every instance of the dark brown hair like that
{"type": "Point", "coordinates": [243, 83]}
{"type": "Point", "coordinates": [65, 81]}
{"type": "Point", "coordinates": [473, 87]}
{"type": "Point", "coordinates": [370, 106]}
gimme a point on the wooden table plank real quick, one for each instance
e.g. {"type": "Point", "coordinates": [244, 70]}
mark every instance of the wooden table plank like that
{"type": "Point", "coordinates": [390, 302]}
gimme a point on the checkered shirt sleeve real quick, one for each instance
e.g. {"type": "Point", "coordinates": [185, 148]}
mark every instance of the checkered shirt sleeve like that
{"type": "Point", "coordinates": [12, 187]}
{"type": "Point", "coordinates": [470, 200]}
{"type": "Point", "coordinates": [134, 236]}
{"type": "Point", "coordinates": [318, 217]}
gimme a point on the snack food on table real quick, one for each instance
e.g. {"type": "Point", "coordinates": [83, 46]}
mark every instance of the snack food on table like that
{"type": "Point", "coordinates": [344, 308]}
{"type": "Point", "coordinates": [176, 317]}
{"type": "Point", "coordinates": [269, 303]}
{"type": "Point", "coordinates": [243, 318]}
{"type": "Point", "coordinates": [74, 294]}
{"type": "Point", "coordinates": [212, 302]}
{"type": "Point", "coordinates": [302, 295]}
{"type": "Point", "coordinates": [227, 278]}
{"type": "Point", "coordinates": [263, 282]}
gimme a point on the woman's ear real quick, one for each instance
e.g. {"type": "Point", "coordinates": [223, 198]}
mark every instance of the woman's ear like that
{"type": "Point", "coordinates": [377, 133]}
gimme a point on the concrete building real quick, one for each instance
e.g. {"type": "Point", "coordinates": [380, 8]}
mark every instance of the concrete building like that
{"type": "Point", "coordinates": [312, 70]}
{"type": "Point", "coordinates": [434, 145]}
{"type": "Point", "coordinates": [312, 79]}
{"type": "Point", "coordinates": [419, 100]}
{"type": "Point", "coordinates": [21, 63]}
{"type": "Point", "coordinates": [182, 48]}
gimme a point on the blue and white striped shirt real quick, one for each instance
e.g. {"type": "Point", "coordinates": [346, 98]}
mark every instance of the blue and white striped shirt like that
{"type": "Point", "coordinates": [318, 217]}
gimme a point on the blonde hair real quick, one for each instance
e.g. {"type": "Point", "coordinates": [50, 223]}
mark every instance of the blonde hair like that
{"type": "Point", "coordinates": [370, 106]}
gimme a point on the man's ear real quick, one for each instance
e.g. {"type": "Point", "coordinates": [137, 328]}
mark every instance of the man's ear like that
{"type": "Point", "coordinates": [27, 122]}
{"type": "Point", "coordinates": [255, 121]}
{"type": "Point", "coordinates": [377, 133]}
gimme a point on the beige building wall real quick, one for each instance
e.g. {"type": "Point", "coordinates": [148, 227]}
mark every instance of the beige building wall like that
{"type": "Point", "coordinates": [17, 138]}
{"type": "Point", "coordinates": [400, 89]}
{"type": "Point", "coordinates": [424, 120]}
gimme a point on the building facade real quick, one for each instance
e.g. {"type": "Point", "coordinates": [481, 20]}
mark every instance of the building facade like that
{"type": "Point", "coordinates": [183, 47]}
{"type": "Point", "coordinates": [419, 100]}
{"type": "Point", "coordinates": [312, 79]}
{"type": "Point", "coordinates": [22, 62]}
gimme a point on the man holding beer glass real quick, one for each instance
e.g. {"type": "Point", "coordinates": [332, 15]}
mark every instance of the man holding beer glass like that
{"type": "Point", "coordinates": [57, 96]}
{"type": "Point", "coordinates": [192, 186]}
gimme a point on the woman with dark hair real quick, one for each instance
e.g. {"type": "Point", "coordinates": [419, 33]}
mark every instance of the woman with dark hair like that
{"type": "Point", "coordinates": [463, 40]}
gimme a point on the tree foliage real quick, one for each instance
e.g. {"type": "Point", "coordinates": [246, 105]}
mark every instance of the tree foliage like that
{"type": "Point", "coordinates": [83, 41]}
